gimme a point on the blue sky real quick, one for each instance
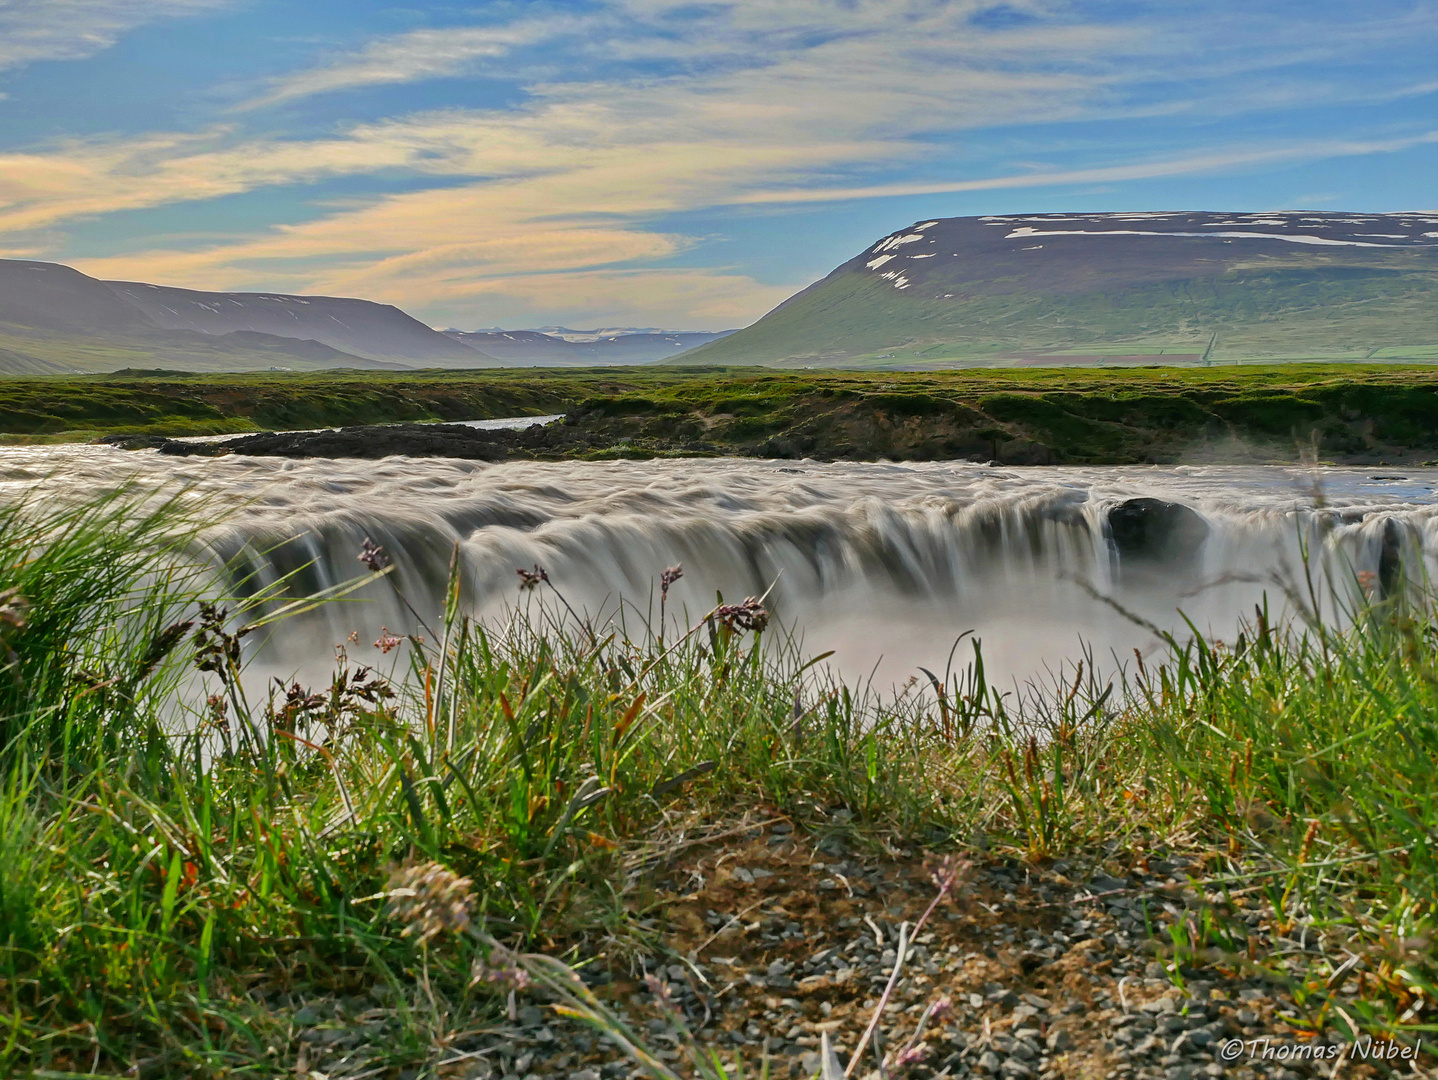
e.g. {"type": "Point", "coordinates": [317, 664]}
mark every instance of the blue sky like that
{"type": "Point", "coordinates": [665, 163]}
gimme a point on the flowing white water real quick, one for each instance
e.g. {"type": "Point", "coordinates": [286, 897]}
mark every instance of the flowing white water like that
{"type": "Point", "coordinates": [885, 564]}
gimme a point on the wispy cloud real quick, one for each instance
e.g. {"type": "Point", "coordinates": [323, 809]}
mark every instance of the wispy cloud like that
{"type": "Point", "coordinates": [669, 108]}
{"type": "Point", "coordinates": [517, 245]}
{"type": "Point", "coordinates": [1207, 162]}
{"type": "Point", "coordinates": [77, 179]}
{"type": "Point", "coordinates": [32, 30]}
{"type": "Point", "coordinates": [413, 57]}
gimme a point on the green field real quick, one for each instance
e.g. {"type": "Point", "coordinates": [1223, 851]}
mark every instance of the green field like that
{"type": "Point", "coordinates": [70, 408]}
{"type": "Point", "coordinates": [1341, 412]}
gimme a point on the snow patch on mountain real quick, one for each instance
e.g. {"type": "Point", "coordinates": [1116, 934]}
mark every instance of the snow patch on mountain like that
{"type": "Point", "coordinates": [1289, 237]}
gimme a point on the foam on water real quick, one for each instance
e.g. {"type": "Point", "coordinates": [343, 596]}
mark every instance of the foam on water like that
{"type": "Point", "coordinates": [887, 564]}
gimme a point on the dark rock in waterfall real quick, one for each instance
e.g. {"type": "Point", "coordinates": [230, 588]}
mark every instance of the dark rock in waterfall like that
{"type": "Point", "coordinates": [1154, 532]}
{"type": "Point", "coordinates": [1390, 560]}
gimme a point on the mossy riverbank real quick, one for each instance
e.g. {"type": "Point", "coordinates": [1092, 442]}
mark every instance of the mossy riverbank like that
{"type": "Point", "coordinates": [1341, 413]}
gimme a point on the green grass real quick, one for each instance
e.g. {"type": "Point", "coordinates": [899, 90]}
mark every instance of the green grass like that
{"type": "Point", "coordinates": [174, 403]}
{"type": "Point", "coordinates": [1355, 412]}
{"type": "Point", "coordinates": [168, 877]}
{"type": "Point", "coordinates": [1299, 309]}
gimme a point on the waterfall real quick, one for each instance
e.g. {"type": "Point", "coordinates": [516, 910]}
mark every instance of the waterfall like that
{"type": "Point", "coordinates": [887, 564]}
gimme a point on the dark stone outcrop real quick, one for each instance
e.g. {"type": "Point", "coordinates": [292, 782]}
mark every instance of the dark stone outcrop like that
{"type": "Point", "coordinates": [371, 441]}
{"type": "Point", "coordinates": [1390, 560]}
{"type": "Point", "coordinates": [134, 441]}
{"type": "Point", "coordinates": [566, 438]}
{"type": "Point", "coordinates": [1154, 532]}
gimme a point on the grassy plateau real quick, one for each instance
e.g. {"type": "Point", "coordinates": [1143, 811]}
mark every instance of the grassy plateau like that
{"type": "Point", "coordinates": [185, 859]}
{"type": "Point", "coordinates": [1346, 412]}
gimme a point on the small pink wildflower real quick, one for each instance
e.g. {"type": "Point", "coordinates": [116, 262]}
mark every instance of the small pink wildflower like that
{"type": "Point", "coordinates": [911, 1055]}
{"type": "Point", "coordinates": [373, 555]}
{"type": "Point", "coordinates": [750, 615]}
{"type": "Point", "coordinates": [499, 969]}
{"type": "Point", "coordinates": [668, 578]}
{"type": "Point", "coordinates": [529, 579]}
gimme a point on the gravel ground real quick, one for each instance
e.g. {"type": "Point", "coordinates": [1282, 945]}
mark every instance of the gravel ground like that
{"type": "Point", "coordinates": [766, 941]}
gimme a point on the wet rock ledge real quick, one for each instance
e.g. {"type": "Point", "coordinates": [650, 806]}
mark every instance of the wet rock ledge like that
{"type": "Point", "coordinates": [376, 441]}
{"type": "Point", "coordinates": [595, 432]}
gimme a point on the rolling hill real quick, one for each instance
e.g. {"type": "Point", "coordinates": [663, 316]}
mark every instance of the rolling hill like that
{"type": "Point", "coordinates": [357, 327]}
{"type": "Point", "coordinates": [1065, 288]}
{"type": "Point", "coordinates": [55, 320]}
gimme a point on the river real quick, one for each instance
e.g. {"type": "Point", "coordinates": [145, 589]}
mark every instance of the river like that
{"type": "Point", "coordinates": [886, 564]}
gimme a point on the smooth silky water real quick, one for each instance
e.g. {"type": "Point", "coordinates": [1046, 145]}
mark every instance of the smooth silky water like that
{"type": "Point", "coordinates": [885, 564]}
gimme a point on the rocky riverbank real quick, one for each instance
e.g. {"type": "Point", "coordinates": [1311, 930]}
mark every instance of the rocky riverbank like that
{"type": "Point", "coordinates": [764, 943]}
{"type": "Point", "coordinates": [855, 432]}
{"type": "Point", "coordinates": [1355, 414]}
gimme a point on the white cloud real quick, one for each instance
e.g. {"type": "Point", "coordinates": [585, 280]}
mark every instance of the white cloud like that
{"type": "Point", "coordinates": [1206, 162]}
{"type": "Point", "coordinates": [32, 30]}
{"type": "Point", "coordinates": [413, 56]}
{"type": "Point", "coordinates": [84, 178]}
{"type": "Point", "coordinates": [560, 239]}
{"type": "Point", "coordinates": [669, 108]}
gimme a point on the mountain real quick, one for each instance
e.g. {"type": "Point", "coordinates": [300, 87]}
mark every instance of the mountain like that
{"type": "Point", "coordinates": [1080, 288]}
{"type": "Point", "coordinates": [569, 334]}
{"type": "Point", "coordinates": [55, 320]}
{"type": "Point", "coordinates": [358, 327]}
{"type": "Point", "coordinates": [47, 296]}
{"type": "Point", "coordinates": [558, 345]}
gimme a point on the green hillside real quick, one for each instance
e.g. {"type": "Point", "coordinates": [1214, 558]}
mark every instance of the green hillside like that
{"type": "Point", "coordinates": [1304, 315]}
{"type": "Point", "coordinates": [28, 350]}
{"type": "Point", "coordinates": [55, 320]}
{"type": "Point", "coordinates": [1171, 299]}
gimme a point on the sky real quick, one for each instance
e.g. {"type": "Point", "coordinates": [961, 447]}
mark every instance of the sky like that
{"type": "Point", "coordinates": [685, 165]}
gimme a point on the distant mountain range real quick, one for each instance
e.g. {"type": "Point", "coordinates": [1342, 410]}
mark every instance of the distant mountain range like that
{"type": "Point", "coordinates": [1085, 288]}
{"type": "Point", "coordinates": [1010, 290]}
{"type": "Point", "coordinates": [583, 348]}
{"type": "Point", "coordinates": [55, 320]}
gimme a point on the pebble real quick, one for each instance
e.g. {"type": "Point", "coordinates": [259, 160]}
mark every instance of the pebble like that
{"type": "Point", "coordinates": [780, 979]}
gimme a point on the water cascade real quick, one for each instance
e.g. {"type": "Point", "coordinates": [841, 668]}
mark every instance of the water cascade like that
{"type": "Point", "coordinates": [885, 564]}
